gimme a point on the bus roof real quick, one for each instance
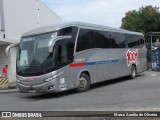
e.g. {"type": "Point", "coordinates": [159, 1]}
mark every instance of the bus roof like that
{"type": "Point", "coordinates": [56, 27]}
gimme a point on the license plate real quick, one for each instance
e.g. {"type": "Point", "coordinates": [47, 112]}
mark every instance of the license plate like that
{"type": "Point", "coordinates": [32, 91]}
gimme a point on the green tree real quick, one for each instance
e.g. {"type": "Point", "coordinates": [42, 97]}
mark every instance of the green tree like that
{"type": "Point", "coordinates": [144, 20]}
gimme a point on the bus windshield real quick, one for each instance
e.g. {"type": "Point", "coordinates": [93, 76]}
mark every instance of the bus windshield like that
{"type": "Point", "coordinates": [33, 57]}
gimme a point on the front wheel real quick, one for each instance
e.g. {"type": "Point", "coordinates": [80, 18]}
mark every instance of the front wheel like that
{"type": "Point", "coordinates": [133, 72]}
{"type": "Point", "coordinates": [84, 83]}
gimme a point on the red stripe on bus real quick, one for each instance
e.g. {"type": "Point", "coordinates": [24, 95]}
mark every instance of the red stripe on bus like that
{"type": "Point", "coordinates": [77, 65]}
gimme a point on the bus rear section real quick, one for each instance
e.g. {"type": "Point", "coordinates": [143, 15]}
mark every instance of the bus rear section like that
{"type": "Point", "coordinates": [108, 54]}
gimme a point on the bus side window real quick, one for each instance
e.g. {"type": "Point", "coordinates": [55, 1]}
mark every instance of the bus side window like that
{"type": "Point", "coordinates": [132, 41]}
{"type": "Point", "coordinates": [135, 41]}
{"type": "Point", "coordinates": [141, 42]}
{"type": "Point", "coordinates": [120, 40]}
{"type": "Point", "coordinates": [83, 40]}
{"type": "Point", "coordinates": [101, 39]}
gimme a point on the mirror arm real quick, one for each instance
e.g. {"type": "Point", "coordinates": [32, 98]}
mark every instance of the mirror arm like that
{"type": "Point", "coordinates": [53, 41]}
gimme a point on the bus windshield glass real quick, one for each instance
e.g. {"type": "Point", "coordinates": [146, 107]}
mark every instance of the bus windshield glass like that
{"type": "Point", "coordinates": [33, 57]}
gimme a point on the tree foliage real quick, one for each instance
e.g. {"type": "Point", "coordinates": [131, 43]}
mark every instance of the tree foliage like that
{"type": "Point", "coordinates": [144, 20]}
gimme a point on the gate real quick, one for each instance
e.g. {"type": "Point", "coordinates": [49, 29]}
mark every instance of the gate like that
{"type": "Point", "coordinates": [153, 50]}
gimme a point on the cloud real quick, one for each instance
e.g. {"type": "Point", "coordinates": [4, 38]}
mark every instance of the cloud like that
{"type": "Point", "coordinates": [104, 12]}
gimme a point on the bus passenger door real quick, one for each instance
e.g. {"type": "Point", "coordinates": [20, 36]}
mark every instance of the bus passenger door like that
{"type": "Point", "coordinates": [63, 60]}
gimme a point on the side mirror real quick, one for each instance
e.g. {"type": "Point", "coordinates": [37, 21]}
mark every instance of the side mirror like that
{"type": "Point", "coordinates": [9, 47]}
{"type": "Point", "coordinates": [54, 40]}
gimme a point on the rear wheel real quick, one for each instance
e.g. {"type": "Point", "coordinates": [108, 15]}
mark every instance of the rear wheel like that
{"type": "Point", "coordinates": [84, 83]}
{"type": "Point", "coordinates": [133, 72]}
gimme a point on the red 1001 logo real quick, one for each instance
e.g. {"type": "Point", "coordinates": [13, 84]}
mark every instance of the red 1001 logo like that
{"type": "Point", "coordinates": [132, 57]}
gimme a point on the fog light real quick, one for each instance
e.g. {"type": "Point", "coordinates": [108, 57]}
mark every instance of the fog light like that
{"type": "Point", "coordinates": [50, 87]}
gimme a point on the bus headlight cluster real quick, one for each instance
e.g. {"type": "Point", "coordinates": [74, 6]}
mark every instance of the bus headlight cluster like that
{"type": "Point", "coordinates": [49, 79]}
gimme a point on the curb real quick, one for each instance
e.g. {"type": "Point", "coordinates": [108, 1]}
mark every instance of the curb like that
{"type": "Point", "coordinates": [12, 87]}
{"type": "Point", "coordinates": [9, 88]}
{"type": "Point", "coordinates": [11, 91]}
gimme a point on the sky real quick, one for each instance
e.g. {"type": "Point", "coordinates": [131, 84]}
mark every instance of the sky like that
{"type": "Point", "coordinates": [102, 12]}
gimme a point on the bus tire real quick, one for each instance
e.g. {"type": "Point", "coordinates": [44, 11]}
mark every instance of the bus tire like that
{"type": "Point", "coordinates": [133, 72]}
{"type": "Point", "coordinates": [84, 83]}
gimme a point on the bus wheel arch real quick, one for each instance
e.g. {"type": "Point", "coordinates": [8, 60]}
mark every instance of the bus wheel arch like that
{"type": "Point", "coordinates": [84, 81]}
{"type": "Point", "coordinates": [133, 71]}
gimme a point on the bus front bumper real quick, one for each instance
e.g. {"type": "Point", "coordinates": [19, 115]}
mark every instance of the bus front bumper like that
{"type": "Point", "coordinates": [45, 87]}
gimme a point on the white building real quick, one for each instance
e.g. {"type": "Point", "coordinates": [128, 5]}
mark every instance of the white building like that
{"type": "Point", "coordinates": [17, 17]}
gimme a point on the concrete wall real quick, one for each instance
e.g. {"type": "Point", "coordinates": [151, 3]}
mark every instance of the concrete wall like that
{"type": "Point", "coordinates": [2, 26]}
{"type": "Point", "coordinates": [12, 67]}
{"type": "Point", "coordinates": [3, 59]}
{"type": "Point", "coordinates": [22, 15]}
{"type": "Point", "coordinates": [11, 62]}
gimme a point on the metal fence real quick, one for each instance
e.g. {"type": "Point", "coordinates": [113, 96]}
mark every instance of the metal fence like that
{"type": "Point", "coordinates": [153, 50]}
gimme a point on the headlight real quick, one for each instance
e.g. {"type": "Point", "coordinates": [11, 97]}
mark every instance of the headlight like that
{"type": "Point", "coordinates": [49, 79]}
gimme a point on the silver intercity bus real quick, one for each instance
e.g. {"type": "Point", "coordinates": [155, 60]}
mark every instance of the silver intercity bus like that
{"type": "Point", "coordinates": [76, 55]}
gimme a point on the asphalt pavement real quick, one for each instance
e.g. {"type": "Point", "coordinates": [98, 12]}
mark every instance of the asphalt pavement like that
{"type": "Point", "coordinates": [123, 94]}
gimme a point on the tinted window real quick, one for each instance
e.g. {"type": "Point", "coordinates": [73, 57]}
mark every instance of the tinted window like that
{"type": "Point", "coordinates": [120, 40]}
{"type": "Point", "coordinates": [107, 39]}
{"type": "Point", "coordinates": [141, 42]}
{"type": "Point", "coordinates": [65, 31]}
{"type": "Point", "coordinates": [83, 40]}
{"type": "Point", "coordinates": [64, 52]}
{"type": "Point", "coordinates": [132, 41]}
{"type": "Point", "coordinates": [92, 39]}
{"type": "Point", "coordinates": [69, 31]}
{"type": "Point", "coordinates": [101, 39]}
{"type": "Point", "coordinates": [111, 40]}
{"type": "Point", "coordinates": [135, 41]}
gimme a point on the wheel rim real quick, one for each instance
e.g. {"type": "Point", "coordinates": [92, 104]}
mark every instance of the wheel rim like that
{"type": "Point", "coordinates": [83, 82]}
{"type": "Point", "coordinates": [133, 73]}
